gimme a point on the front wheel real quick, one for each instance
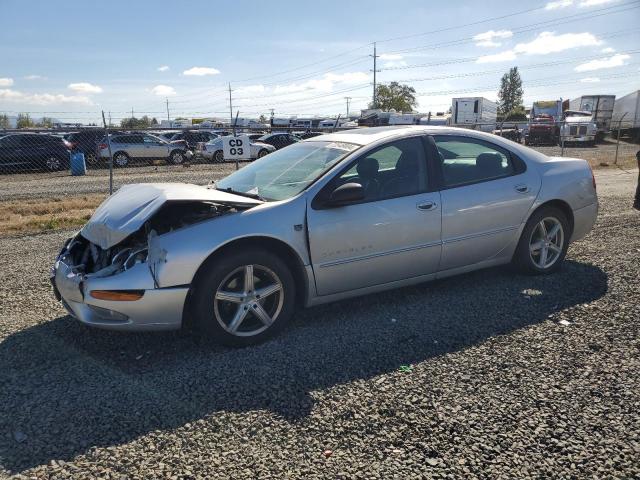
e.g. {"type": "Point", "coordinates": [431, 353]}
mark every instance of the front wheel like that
{"type": "Point", "coordinates": [244, 298]}
{"type": "Point", "coordinates": [263, 152]}
{"type": "Point", "coordinates": [543, 245]}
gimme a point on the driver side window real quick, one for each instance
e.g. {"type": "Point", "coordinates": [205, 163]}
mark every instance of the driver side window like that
{"type": "Point", "coordinates": [396, 169]}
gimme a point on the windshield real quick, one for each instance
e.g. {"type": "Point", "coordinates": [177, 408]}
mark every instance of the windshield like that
{"type": "Point", "coordinates": [285, 173]}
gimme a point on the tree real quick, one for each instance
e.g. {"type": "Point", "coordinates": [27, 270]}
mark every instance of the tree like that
{"type": "Point", "coordinates": [4, 121]}
{"type": "Point", "coordinates": [263, 119]}
{"type": "Point", "coordinates": [401, 98]}
{"type": "Point", "coordinates": [133, 122]}
{"type": "Point", "coordinates": [24, 121]}
{"type": "Point", "coordinates": [510, 96]}
{"type": "Point", "coordinates": [154, 121]}
{"type": "Point", "coordinates": [45, 122]}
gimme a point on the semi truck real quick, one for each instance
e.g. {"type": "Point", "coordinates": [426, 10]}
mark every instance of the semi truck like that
{"type": "Point", "coordinates": [544, 123]}
{"type": "Point", "coordinates": [601, 108]}
{"type": "Point", "coordinates": [626, 115]}
{"type": "Point", "coordinates": [477, 112]}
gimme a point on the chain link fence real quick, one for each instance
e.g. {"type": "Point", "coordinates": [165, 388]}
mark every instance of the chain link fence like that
{"type": "Point", "coordinates": [93, 160]}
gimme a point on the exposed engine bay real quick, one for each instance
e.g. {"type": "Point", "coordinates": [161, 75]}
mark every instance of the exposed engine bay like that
{"type": "Point", "coordinates": [90, 260]}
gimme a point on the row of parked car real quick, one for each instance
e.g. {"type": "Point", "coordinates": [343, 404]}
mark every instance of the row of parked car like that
{"type": "Point", "coordinates": [44, 151]}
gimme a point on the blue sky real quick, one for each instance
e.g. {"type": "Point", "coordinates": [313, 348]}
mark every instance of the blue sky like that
{"type": "Point", "coordinates": [71, 59]}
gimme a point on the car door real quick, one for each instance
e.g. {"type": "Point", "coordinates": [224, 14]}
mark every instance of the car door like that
{"type": "Point", "coordinates": [154, 147]}
{"type": "Point", "coordinates": [393, 234]}
{"type": "Point", "coordinates": [11, 152]}
{"type": "Point", "coordinates": [486, 192]}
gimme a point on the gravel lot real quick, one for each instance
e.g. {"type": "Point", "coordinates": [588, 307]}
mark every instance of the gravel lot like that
{"type": "Point", "coordinates": [472, 377]}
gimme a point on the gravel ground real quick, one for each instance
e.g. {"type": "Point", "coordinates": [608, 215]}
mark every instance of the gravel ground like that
{"type": "Point", "coordinates": [477, 376]}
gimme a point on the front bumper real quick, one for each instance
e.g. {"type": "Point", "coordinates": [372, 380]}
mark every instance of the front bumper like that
{"type": "Point", "coordinates": [158, 309]}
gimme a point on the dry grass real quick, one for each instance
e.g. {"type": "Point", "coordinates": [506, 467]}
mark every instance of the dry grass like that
{"type": "Point", "coordinates": [46, 214]}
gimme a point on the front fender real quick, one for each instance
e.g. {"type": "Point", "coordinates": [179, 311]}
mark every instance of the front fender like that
{"type": "Point", "coordinates": [176, 256]}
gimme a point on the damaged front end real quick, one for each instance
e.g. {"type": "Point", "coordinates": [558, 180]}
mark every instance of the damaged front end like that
{"type": "Point", "coordinates": [106, 274]}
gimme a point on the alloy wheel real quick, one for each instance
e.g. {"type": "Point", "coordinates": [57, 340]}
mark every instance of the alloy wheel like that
{"type": "Point", "coordinates": [546, 243]}
{"type": "Point", "coordinates": [53, 163]}
{"type": "Point", "coordinates": [121, 160]}
{"type": "Point", "coordinates": [249, 300]}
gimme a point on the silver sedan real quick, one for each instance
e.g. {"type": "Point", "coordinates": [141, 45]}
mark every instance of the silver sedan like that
{"type": "Point", "coordinates": [351, 213]}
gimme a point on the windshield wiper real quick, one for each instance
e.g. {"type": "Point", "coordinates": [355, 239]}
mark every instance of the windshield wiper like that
{"type": "Point", "coordinates": [255, 196]}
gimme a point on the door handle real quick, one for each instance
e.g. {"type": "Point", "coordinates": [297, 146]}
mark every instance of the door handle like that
{"type": "Point", "coordinates": [427, 205]}
{"type": "Point", "coordinates": [521, 188]}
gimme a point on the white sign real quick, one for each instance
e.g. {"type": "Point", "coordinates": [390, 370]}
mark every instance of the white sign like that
{"type": "Point", "coordinates": [236, 148]}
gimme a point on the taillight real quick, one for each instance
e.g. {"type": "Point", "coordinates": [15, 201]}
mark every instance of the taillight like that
{"type": "Point", "coordinates": [102, 146]}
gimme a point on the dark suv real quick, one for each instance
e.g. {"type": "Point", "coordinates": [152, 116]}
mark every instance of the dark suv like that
{"type": "Point", "coordinates": [34, 151]}
{"type": "Point", "coordinates": [279, 140]}
{"type": "Point", "coordinates": [86, 141]}
{"type": "Point", "coordinates": [191, 139]}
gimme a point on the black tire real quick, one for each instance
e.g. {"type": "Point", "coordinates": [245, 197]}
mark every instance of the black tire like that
{"type": "Point", "coordinates": [91, 159]}
{"type": "Point", "coordinates": [121, 159]}
{"type": "Point", "coordinates": [208, 311]}
{"type": "Point", "coordinates": [263, 152]}
{"type": "Point", "coordinates": [218, 156]}
{"type": "Point", "coordinates": [177, 157]}
{"type": "Point", "coordinates": [523, 259]}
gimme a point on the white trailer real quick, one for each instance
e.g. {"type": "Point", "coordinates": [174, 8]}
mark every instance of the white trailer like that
{"type": "Point", "coordinates": [477, 112]}
{"type": "Point", "coordinates": [626, 115]}
{"type": "Point", "coordinates": [601, 107]}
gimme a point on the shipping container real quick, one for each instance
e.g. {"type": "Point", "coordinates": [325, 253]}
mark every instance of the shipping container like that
{"type": "Point", "coordinates": [478, 112]}
{"type": "Point", "coordinates": [601, 107]}
{"type": "Point", "coordinates": [626, 115]}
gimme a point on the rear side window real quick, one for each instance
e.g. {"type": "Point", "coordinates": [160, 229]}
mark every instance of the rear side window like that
{"type": "Point", "coordinates": [465, 160]}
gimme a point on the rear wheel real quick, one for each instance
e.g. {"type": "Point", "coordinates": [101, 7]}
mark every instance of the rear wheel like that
{"type": "Point", "coordinates": [91, 159]}
{"type": "Point", "coordinates": [244, 298]}
{"type": "Point", "coordinates": [120, 159]}
{"type": "Point", "coordinates": [177, 157]}
{"type": "Point", "coordinates": [218, 156]}
{"type": "Point", "coordinates": [543, 245]}
{"type": "Point", "coordinates": [54, 163]}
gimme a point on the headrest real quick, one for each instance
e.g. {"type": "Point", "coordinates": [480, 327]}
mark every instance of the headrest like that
{"type": "Point", "coordinates": [368, 167]}
{"type": "Point", "coordinates": [490, 161]}
{"type": "Point", "coordinates": [406, 165]}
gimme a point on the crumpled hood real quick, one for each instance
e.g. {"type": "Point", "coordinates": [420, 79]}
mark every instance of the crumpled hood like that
{"type": "Point", "coordinates": [125, 212]}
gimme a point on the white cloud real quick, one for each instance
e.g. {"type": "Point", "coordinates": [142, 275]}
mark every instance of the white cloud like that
{"type": "Point", "coordinates": [201, 71]}
{"type": "Point", "coordinates": [488, 38]}
{"type": "Point", "coordinates": [325, 83]}
{"type": "Point", "coordinates": [395, 64]}
{"type": "Point", "coordinates": [391, 56]}
{"type": "Point", "coordinates": [593, 3]}
{"type": "Point", "coordinates": [163, 90]}
{"type": "Point", "coordinates": [250, 90]}
{"type": "Point", "coordinates": [608, 50]}
{"type": "Point", "coordinates": [505, 56]}
{"type": "Point", "coordinates": [42, 98]}
{"type": "Point", "coordinates": [35, 77]}
{"type": "Point", "coordinates": [163, 68]}
{"type": "Point", "coordinates": [616, 60]}
{"type": "Point", "coordinates": [84, 87]}
{"type": "Point", "coordinates": [589, 80]}
{"type": "Point", "coordinates": [558, 4]}
{"type": "Point", "coordinates": [6, 82]}
{"type": "Point", "coordinates": [543, 44]}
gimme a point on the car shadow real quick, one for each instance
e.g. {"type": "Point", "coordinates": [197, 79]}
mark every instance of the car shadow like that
{"type": "Point", "coordinates": [65, 388]}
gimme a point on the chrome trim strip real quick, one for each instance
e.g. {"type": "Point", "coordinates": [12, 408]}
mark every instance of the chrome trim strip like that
{"type": "Point", "coordinates": [483, 234]}
{"type": "Point", "coordinates": [380, 254]}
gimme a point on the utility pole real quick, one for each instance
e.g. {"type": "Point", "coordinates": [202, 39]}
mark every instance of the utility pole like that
{"type": "Point", "coordinates": [168, 118]}
{"type": "Point", "coordinates": [132, 113]}
{"type": "Point", "coordinates": [230, 107]}
{"type": "Point", "coordinates": [109, 117]}
{"type": "Point", "coordinates": [271, 120]}
{"type": "Point", "coordinates": [375, 70]}
{"type": "Point", "coordinates": [348, 99]}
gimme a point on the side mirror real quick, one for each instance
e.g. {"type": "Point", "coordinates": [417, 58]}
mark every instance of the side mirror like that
{"type": "Point", "coordinates": [344, 194]}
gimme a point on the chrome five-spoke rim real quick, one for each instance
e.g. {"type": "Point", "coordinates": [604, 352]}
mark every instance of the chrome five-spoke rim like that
{"type": "Point", "coordinates": [248, 300]}
{"type": "Point", "coordinates": [545, 245]}
{"type": "Point", "coordinates": [53, 163]}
